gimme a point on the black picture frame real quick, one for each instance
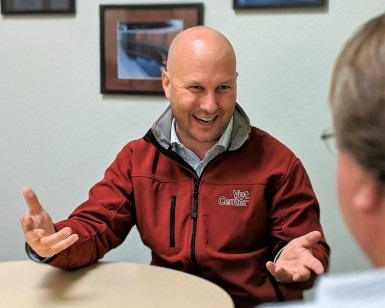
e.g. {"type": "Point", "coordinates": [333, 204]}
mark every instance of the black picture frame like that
{"type": "Point", "coordinates": [17, 7]}
{"type": "Point", "coordinates": [261, 4]}
{"type": "Point", "coordinates": [134, 42]}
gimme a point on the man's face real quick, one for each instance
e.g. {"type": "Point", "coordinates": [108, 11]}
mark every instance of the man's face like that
{"type": "Point", "coordinates": [202, 94]}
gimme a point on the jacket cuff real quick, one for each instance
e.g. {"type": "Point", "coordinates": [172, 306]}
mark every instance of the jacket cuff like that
{"type": "Point", "coordinates": [278, 254]}
{"type": "Point", "coordinates": [35, 257]}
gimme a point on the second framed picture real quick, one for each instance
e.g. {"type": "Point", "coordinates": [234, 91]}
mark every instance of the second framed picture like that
{"type": "Point", "coordinates": [134, 42]}
{"type": "Point", "coordinates": [246, 4]}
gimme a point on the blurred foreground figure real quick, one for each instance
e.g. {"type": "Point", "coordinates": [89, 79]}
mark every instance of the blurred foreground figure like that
{"type": "Point", "coordinates": [357, 100]}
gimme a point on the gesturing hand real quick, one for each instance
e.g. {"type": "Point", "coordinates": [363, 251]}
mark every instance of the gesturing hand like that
{"type": "Point", "coordinates": [296, 262]}
{"type": "Point", "coordinates": [39, 231]}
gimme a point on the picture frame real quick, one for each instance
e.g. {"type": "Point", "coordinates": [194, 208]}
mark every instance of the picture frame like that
{"type": "Point", "coordinates": [247, 4]}
{"type": "Point", "coordinates": [134, 42]}
{"type": "Point", "coordinates": [14, 7]}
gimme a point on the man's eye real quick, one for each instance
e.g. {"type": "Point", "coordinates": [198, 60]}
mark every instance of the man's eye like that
{"type": "Point", "coordinates": [223, 88]}
{"type": "Point", "coordinates": [196, 88]}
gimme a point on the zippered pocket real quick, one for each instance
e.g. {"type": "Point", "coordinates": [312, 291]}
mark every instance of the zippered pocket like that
{"type": "Point", "coordinates": [172, 221]}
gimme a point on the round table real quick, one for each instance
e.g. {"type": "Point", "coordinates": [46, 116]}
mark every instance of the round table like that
{"type": "Point", "coordinates": [29, 284]}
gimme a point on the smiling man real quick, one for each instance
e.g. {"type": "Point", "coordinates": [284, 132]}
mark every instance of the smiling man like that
{"type": "Point", "coordinates": [210, 194]}
{"type": "Point", "coordinates": [200, 83]}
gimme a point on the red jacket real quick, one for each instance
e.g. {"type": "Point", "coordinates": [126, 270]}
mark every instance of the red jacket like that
{"type": "Point", "coordinates": [248, 203]}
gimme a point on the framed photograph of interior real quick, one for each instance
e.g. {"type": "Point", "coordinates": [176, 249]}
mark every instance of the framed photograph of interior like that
{"type": "Point", "coordinates": [38, 7]}
{"type": "Point", "coordinates": [134, 43]}
{"type": "Point", "coordinates": [240, 4]}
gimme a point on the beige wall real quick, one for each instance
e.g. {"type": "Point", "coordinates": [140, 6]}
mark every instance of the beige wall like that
{"type": "Point", "coordinates": [58, 133]}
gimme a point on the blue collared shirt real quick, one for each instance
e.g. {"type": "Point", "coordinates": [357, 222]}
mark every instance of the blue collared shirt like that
{"type": "Point", "coordinates": [191, 158]}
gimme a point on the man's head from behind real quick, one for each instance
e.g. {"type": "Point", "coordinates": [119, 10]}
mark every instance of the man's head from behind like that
{"type": "Point", "coordinates": [357, 99]}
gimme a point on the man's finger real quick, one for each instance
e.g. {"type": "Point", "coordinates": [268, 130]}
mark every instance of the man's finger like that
{"type": "Point", "coordinates": [271, 267]}
{"type": "Point", "coordinates": [65, 243]}
{"type": "Point", "coordinates": [26, 223]}
{"type": "Point", "coordinates": [315, 265]}
{"type": "Point", "coordinates": [313, 237]}
{"type": "Point", "coordinates": [32, 201]}
{"type": "Point", "coordinates": [34, 235]}
{"type": "Point", "coordinates": [56, 243]}
{"type": "Point", "coordinates": [302, 275]}
{"type": "Point", "coordinates": [52, 240]}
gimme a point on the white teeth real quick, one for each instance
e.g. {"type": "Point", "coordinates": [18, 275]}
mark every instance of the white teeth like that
{"type": "Point", "coordinates": [205, 120]}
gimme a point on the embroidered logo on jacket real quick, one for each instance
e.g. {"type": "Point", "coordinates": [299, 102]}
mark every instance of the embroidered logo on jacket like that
{"type": "Point", "coordinates": [240, 198]}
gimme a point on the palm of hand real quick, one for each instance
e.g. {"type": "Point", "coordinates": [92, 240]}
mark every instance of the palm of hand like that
{"type": "Point", "coordinates": [297, 262]}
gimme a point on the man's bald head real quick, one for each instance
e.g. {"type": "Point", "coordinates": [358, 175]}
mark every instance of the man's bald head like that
{"type": "Point", "coordinates": [199, 41]}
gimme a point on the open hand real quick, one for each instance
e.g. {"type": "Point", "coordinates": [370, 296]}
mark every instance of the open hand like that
{"type": "Point", "coordinates": [39, 231]}
{"type": "Point", "coordinates": [297, 262]}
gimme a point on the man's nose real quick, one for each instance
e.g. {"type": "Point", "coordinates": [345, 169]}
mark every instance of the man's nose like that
{"type": "Point", "coordinates": [209, 103]}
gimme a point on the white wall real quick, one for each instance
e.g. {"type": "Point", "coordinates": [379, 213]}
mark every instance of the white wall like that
{"type": "Point", "coordinates": [58, 133]}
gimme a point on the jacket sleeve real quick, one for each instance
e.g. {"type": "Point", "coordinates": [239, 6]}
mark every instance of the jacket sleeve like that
{"type": "Point", "coordinates": [295, 212]}
{"type": "Point", "coordinates": [104, 220]}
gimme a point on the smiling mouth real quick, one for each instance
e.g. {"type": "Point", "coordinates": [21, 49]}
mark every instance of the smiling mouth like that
{"type": "Point", "coordinates": [205, 120]}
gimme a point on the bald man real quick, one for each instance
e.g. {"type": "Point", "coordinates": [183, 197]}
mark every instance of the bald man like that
{"type": "Point", "coordinates": [210, 194]}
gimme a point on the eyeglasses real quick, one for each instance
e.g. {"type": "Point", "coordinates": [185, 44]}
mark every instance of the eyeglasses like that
{"type": "Point", "coordinates": [328, 137]}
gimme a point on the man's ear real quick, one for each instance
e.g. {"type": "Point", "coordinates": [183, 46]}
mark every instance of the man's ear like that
{"type": "Point", "coordinates": [367, 197]}
{"type": "Point", "coordinates": [166, 83]}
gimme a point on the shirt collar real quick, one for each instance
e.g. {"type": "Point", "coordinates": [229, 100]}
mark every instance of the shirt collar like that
{"type": "Point", "coordinates": [223, 141]}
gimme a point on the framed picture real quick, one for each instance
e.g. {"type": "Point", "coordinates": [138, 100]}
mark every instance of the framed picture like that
{"type": "Point", "coordinates": [134, 43]}
{"type": "Point", "coordinates": [240, 4]}
{"type": "Point", "coordinates": [37, 6]}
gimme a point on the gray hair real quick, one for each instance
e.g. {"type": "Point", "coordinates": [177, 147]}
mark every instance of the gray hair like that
{"type": "Point", "coordinates": [357, 97]}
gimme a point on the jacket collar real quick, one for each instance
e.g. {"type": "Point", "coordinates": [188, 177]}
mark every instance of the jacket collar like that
{"type": "Point", "coordinates": [161, 129]}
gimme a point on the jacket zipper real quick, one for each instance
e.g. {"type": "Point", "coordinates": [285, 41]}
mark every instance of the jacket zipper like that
{"type": "Point", "coordinates": [194, 216]}
{"type": "Point", "coordinates": [172, 221]}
